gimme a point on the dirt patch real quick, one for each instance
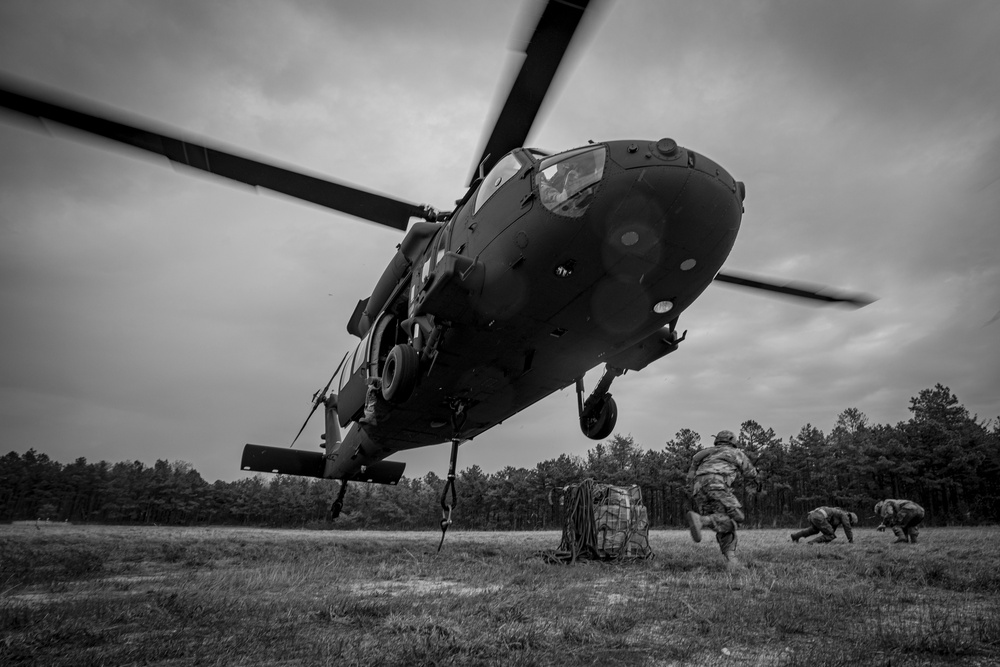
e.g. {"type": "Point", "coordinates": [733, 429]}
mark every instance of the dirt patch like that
{"type": "Point", "coordinates": [117, 586]}
{"type": "Point", "coordinates": [420, 587]}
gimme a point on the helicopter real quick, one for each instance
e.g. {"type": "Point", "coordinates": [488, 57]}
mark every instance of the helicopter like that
{"type": "Point", "coordinates": [549, 265]}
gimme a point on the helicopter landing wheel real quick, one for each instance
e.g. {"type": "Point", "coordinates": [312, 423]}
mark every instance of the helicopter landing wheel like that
{"type": "Point", "coordinates": [399, 376]}
{"type": "Point", "coordinates": [601, 421]}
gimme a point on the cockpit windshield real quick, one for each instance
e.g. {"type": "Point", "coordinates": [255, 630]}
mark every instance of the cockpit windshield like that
{"type": "Point", "coordinates": [567, 182]}
{"type": "Point", "coordinates": [509, 165]}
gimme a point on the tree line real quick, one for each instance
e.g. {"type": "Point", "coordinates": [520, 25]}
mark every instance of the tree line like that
{"type": "Point", "coordinates": [943, 458]}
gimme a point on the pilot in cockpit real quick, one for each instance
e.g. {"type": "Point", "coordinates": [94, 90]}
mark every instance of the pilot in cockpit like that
{"type": "Point", "coordinates": [552, 188]}
{"type": "Point", "coordinates": [566, 178]}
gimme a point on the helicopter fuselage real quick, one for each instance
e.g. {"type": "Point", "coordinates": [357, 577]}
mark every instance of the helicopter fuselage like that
{"type": "Point", "coordinates": [553, 265]}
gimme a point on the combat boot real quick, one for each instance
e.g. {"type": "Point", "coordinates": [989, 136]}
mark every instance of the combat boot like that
{"type": "Point", "coordinates": [733, 563]}
{"type": "Point", "coordinates": [694, 524]}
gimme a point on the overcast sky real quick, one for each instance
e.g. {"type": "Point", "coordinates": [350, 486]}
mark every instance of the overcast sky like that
{"type": "Point", "coordinates": [150, 313]}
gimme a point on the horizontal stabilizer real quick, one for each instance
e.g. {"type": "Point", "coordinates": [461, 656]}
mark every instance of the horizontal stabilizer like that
{"type": "Point", "coordinates": [383, 472]}
{"type": "Point", "coordinates": [283, 461]}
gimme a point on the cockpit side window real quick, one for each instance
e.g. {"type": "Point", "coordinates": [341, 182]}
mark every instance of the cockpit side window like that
{"type": "Point", "coordinates": [499, 174]}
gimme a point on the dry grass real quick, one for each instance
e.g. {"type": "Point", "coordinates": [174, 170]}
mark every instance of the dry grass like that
{"type": "Point", "coordinates": [116, 595]}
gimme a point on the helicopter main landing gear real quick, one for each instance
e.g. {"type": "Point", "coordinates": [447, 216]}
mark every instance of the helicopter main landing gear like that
{"type": "Point", "coordinates": [399, 376]}
{"type": "Point", "coordinates": [599, 413]}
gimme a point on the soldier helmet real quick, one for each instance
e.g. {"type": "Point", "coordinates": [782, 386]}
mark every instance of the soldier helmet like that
{"type": "Point", "coordinates": [878, 506]}
{"type": "Point", "coordinates": [853, 518]}
{"type": "Point", "coordinates": [726, 436]}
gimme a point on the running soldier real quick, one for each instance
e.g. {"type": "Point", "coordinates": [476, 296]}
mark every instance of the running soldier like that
{"type": "Point", "coordinates": [903, 516]}
{"type": "Point", "coordinates": [825, 521]}
{"type": "Point", "coordinates": [711, 475]}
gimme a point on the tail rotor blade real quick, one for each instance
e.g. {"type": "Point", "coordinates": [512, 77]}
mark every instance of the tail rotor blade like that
{"type": "Point", "coordinates": [318, 398]}
{"type": "Point", "coordinates": [294, 440]}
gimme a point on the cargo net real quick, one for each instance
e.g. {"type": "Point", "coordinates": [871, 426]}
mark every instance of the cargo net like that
{"type": "Point", "coordinates": [603, 522]}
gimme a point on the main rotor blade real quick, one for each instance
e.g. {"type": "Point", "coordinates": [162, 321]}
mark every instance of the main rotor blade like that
{"type": "Point", "coordinates": [542, 56]}
{"type": "Point", "coordinates": [799, 290]}
{"type": "Point", "coordinates": [314, 189]}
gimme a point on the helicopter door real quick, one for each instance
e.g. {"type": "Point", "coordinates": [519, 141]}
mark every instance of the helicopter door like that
{"type": "Point", "coordinates": [354, 385]}
{"type": "Point", "coordinates": [369, 358]}
{"type": "Point", "coordinates": [386, 335]}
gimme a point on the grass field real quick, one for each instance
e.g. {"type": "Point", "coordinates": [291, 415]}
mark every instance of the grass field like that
{"type": "Point", "coordinates": [100, 595]}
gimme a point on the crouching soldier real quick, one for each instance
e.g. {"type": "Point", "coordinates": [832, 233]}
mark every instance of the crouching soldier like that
{"type": "Point", "coordinates": [711, 475]}
{"type": "Point", "coordinates": [826, 520]}
{"type": "Point", "coordinates": [903, 516]}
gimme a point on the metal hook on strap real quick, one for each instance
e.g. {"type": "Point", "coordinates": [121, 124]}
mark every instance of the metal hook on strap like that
{"type": "Point", "coordinates": [338, 504]}
{"type": "Point", "coordinates": [458, 416]}
{"type": "Point", "coordinates": [449, 487]}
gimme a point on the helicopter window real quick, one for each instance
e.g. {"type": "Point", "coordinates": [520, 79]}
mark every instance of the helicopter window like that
{"type": "Point", "coordinates": [498, 175]}
{"type": "Point", "coordinates": [354, 360]}
{"type": "Point", "coordinates": [345, 375]}
{"type": "Point", "coordinates": [567, 182]}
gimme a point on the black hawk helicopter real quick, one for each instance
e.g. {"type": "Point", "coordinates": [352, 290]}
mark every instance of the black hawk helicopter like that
{"type": "Point", "coordinates": [547, 266]}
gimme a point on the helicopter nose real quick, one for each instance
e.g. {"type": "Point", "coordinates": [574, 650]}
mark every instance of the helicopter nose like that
{"type": "Point", "coordinates": [675, 202]}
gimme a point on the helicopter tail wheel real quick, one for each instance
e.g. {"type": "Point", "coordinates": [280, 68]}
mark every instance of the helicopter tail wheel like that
{"type": "Point", "coordinates": [599, 422]}
{"type": "Point", "coordinates": [399, 376]}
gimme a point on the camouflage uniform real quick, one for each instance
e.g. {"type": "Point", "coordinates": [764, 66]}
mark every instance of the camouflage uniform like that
{"type": "Point", "coordinates": [903, 516]}
{"type": "Point", "coordinates": [376, 407]}
{"type": "Point", "coordinates": [712, 473]}
{"type": "Point", "coordinates": [826, 520]}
